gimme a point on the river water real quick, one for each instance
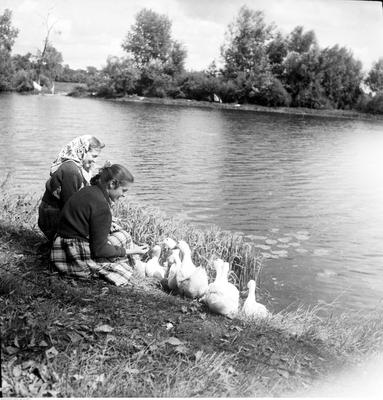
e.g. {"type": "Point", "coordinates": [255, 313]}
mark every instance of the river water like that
{"type": "Point", "coordinates": [307, 190]}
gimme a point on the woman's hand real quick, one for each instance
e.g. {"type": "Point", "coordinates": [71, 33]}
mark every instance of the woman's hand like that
{"type": "Point", "coordinates": [115, 227]}
{"type": "Point", "coordinates": [140, 249]}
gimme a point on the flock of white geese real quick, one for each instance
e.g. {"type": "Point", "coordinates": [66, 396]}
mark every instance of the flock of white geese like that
{"type": "Point", "coordinates": [181, 276]}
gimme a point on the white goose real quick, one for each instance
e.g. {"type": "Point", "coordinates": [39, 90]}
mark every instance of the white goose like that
{"type": "Point", "coordinates": [191, 281]}
{"type": "Point", "coordinates": [174, 265]}
{"type": "Point", "coordinates": [251, 308]}
{"type": "Point", "coordinates": [173, 261]}
{"type": "Point", "coordinates": [215, 289]}
{"type": "Point", "coordinates": [170, 243]}
{"type": "Point", "coordinates": [222, 297]}
{"type": "Point", "coordinates": [139, 266]}
{"type": "Point", "coordinates": [153, 267]}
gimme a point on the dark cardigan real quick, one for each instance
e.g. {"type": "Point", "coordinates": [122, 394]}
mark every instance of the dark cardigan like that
{"type": "Point", "coordinates": [69, 179]}
{"type": "Point", "coordinates": [87, 216]}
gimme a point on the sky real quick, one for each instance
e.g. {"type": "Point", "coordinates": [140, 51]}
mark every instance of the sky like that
{"type": "Point", "coordinates": [86, 32]}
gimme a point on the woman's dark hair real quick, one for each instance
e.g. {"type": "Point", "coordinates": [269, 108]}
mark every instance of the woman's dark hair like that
{"type": "Point", "coordinates": [94, 143]}
{"type": "Point", "coordinates": [113, 172]}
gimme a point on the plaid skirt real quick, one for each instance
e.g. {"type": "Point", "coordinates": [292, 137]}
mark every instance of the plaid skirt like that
{"type": "Point", "coordinates": [72, 257]}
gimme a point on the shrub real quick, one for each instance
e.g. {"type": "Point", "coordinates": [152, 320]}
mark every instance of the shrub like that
{"type": "Point", "coordinates": [160, 85]}
{"type": "Point", "coordinates": [375, 105]}
{"type": "Point", "coordinates": [276, 95]}
{"type": "Point", "coordinates": [105, 90]}
{"type": "Point", "coordinates": [22, 81]}
{"type": "Point", "coordinates": [362, 102]}
{"type": "Point", "coordinates": [176, 93]}
{"type": "Point", "coordinates": [102, 86]}
{"type": "Point", "coordinates": [311, 96]}
{"type": "Point", "coordinates": [198, 86]}
{"type": "Point", "coordinates": [228, 91]}
{"type": "Point", "coordinates": [78, 91]}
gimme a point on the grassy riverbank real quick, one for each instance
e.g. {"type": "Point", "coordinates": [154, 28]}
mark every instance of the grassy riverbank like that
{"type": "Point", "coordinates": [327, 113]}
{"type": "Point", "coordinates": [73, 338]}
{"type": "Point", "coordinates": [347, 114]}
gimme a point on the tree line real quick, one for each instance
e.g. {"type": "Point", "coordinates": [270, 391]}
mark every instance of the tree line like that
{"type": "Point", "coordinates": [259, 65]}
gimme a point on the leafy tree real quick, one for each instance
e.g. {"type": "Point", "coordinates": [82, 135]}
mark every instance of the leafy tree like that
{"type": "Point", "coordinates": [8, 36]}
{"type": "Point", "coordinates": [375, 105]}
{"type": "Point", "coordinates": [67, 74]}
{"type": "Point", "coordinates": [341, 76]}
{"type": "Point", "coordinates": [24, 62]}
{"type": "Point", "coordinates": [245, 56]}
{"type": "Point", "coordinates": [300, 41]}
{"type": "Point", "coordinates": [302, 79]}
{"type": "Point", "coordinates": [150, 41]}
{"type": "Point", "coordinates": [50, 62]}
{"type": "Point", "coordinates": [22, 80]}
{"type": "Point", "coordinates": [212, 69]}
{"type": "Point", "coordinates": [277, 51]}
{"type": "Point", "coordinates": [24, 72]}
{"type": "Point", "coordinates": [122, 74]}
{"type": "Point", "coordinates": [245, 47]}
{"type": "Point", "coordinates": [375, 77]}
{"type": "Point", "coordinates": [301, 70]}
{"type": "Point", "coordinates": [96, 79]}
{"type": "Point", "coordinates": [154, 80]}
{"type": "Point", "coordinates": [176, 61]}
{"type": "Point", "coordinates": [90, 70]}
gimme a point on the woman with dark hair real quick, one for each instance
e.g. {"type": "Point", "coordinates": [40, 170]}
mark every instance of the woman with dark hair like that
{"type": "Point", "coordinates": [82, 246]}
{"type": "Point", "coordinates": [68, 174]}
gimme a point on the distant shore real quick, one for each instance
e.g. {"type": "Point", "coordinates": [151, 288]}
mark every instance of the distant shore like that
{"type": "Point", "coordinates": [348, 114]}
{"type": "Point", "coordinates": [69, 88]}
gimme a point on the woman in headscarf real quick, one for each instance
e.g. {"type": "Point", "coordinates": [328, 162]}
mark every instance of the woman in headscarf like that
{"type": "Point", "coordinates": [83, 246]}
{"type": "Point", "coordinates": [68, 174]}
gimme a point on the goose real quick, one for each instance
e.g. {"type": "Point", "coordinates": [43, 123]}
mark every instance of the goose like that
{"type": "Point", "coordinates": [222, 297]}
{"type": "Point", "coordinates": [170, 243]}
{"type": "Point", "coordinates": [139, 266]}
{"type": "Point", "coordinates": [153, 267]}
{"type": "Point", "coordinates": [251, 308]}
{"type": "Point", "coordinates": [191, 281]}
{"type": "Point", "coordinates": [173, 262]}
{"type": "Point", "coordinates": [232, 296]}
{"type": "Point", "coordinates": [187, 266]}
{"type": "Point", "coordinates": [174, 265]}
{"type": "Point", "coordinates": [215, 288]}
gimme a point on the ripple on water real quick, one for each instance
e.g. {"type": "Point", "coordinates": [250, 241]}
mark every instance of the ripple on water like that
{"type": "Point", "coordinates": [280, 253]}
{"type": "Point", "coordinates": [267, 255]}
{"type": "Point", "coordinates": [304, 233]}
{"type": "Point", "coordinates": [301, 250]}
{"type": "Point", "coordinates": [321, 252]}
{"type": "Point", "coordinates": [285, 239]}
{"type": "Point", "coordinates": [327, 273]}
{"type": "Point", "coordinates": [256, 237]}
{"type": "Point", "coordinates": [262, 246]}
{"type": "Point", "coordinates": [302, 237]}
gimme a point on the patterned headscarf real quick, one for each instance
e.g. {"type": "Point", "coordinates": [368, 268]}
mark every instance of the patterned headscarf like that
{"type": "Point", "coordinates": [74, 151]}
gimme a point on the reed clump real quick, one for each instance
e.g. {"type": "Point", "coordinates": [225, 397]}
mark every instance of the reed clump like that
{"type": "Point", "coordinates": [150, 225]}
